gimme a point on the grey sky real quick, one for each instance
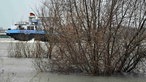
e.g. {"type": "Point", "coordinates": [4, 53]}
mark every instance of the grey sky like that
{"type": "Point", "coordinates": [12, 11]}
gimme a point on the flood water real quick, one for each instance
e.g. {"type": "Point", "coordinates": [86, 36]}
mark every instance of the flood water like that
{"type": "Point", "coordinates": [22, 70]}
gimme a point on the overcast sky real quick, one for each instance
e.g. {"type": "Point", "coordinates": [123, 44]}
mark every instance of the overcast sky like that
{"type": "Point", "coordinates": [12, 11]}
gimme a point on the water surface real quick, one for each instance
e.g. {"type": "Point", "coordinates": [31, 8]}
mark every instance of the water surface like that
{"type": "Point", "coordinates": [23, 70]}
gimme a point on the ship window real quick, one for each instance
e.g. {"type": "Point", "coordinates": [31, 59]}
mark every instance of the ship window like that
{"type": "Point", "coordinates": [30, 27]}
{"type": "Point", "coordinates": [20, 27]}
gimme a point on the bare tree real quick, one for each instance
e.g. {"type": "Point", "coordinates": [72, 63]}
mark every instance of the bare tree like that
{"type": "Point", "coordinates": [94, 36]}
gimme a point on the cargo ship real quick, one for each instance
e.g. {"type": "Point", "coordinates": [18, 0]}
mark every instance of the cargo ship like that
{"type": "Point", "coordinates": [28, 30]}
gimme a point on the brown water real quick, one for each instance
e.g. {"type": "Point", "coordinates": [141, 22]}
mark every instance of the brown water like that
{"type": "Point", "coordinates": [22, 70]}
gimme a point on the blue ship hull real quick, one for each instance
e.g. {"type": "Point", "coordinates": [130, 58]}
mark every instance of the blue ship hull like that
{"type": "Point", "coordinates": [26, 35]}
